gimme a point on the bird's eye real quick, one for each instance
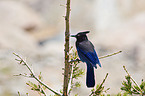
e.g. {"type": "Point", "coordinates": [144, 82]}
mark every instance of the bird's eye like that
{"type": "Point", "coordinates": [78, 35]}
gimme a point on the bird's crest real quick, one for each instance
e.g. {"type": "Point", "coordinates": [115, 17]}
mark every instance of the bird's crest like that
{"type": "Point", "coordinates": [83, 32]}
{"type": "Point", "coordinates": [80, 33]}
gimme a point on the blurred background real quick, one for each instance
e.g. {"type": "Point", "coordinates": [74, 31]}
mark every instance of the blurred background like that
{"type": "Point", "coordinates": [34, 29]}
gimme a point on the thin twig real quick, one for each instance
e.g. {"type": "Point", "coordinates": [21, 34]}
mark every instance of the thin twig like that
{"type": "Point", "coordinates": [100, 86]}
{"type": "Point", "coordinates": [41, 89]}
{"type": "Point", "coordinates": [103, 81]}
{"type": "Point", "coordinates": [132, 79]}
{"type": "Point", "coordinates": [70, 80]}
{"type": "Point", "coordinates": [110, 55]}
{"type": "Point", "coordinates": [24, 75]}
{"type": "Point", "coordinates": [78, 60]}
{"type": "Point", "coordinates": [34, 76]}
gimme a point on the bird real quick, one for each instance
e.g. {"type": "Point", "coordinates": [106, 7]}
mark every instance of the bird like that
{"type": "Point", "coordinates": [87, 54]}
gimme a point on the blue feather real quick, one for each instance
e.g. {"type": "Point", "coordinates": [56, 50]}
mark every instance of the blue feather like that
{"type": "Point", "coordinates": [90, 57]}
{"type": "Point", "coordinates": [90, 80]}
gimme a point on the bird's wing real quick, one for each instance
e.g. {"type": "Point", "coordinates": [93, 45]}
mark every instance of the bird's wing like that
{"type": "Point", "coordinates": [87, 53]}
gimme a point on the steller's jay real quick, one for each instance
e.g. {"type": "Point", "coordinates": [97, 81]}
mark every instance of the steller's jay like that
{"type": "Point", "coordinates": [87, 53]}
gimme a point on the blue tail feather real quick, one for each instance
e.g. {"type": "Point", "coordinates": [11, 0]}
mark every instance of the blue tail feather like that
{"type": "Point", "coordinates": [90, 80]}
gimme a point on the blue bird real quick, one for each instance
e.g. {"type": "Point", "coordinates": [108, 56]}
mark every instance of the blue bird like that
{"type": "Point", "coordinates": [87, 53]}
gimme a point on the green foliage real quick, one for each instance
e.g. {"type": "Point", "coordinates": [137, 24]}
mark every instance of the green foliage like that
{"type": "Point", "coordinates": [142, 86]}
{"type": "Point", "coordinates": [127, 85]}
{"type": "Point", "coordinates": [37, 87]}
{"type": "Point", "coordinates": [20, 94]}
{"type": "Point", "coordinates": [76, 70]}
{"type": "Point", "coordinates": [131, 87]}
{"type": "Point", "coordinates": [99, 91]}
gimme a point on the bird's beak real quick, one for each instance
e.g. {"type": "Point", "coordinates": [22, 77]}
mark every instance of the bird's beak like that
{"type": "Point", "coordinates": [73, 35]}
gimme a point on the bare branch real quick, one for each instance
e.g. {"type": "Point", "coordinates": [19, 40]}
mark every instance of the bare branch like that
{"type": "Point", "coordinates": [103, 81]}
{"type": "Point", "coordinates": [21, 61]}
{"type": "Point", "coordinates": [110, 55]}
{"type": "Point", "coordinates": [67, 72]}
{"type": "Point", "coordinates": [78, 60]}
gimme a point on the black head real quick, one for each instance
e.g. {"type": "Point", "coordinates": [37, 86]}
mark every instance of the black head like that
{"type": "Point", "coordinates": [81, 36]}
